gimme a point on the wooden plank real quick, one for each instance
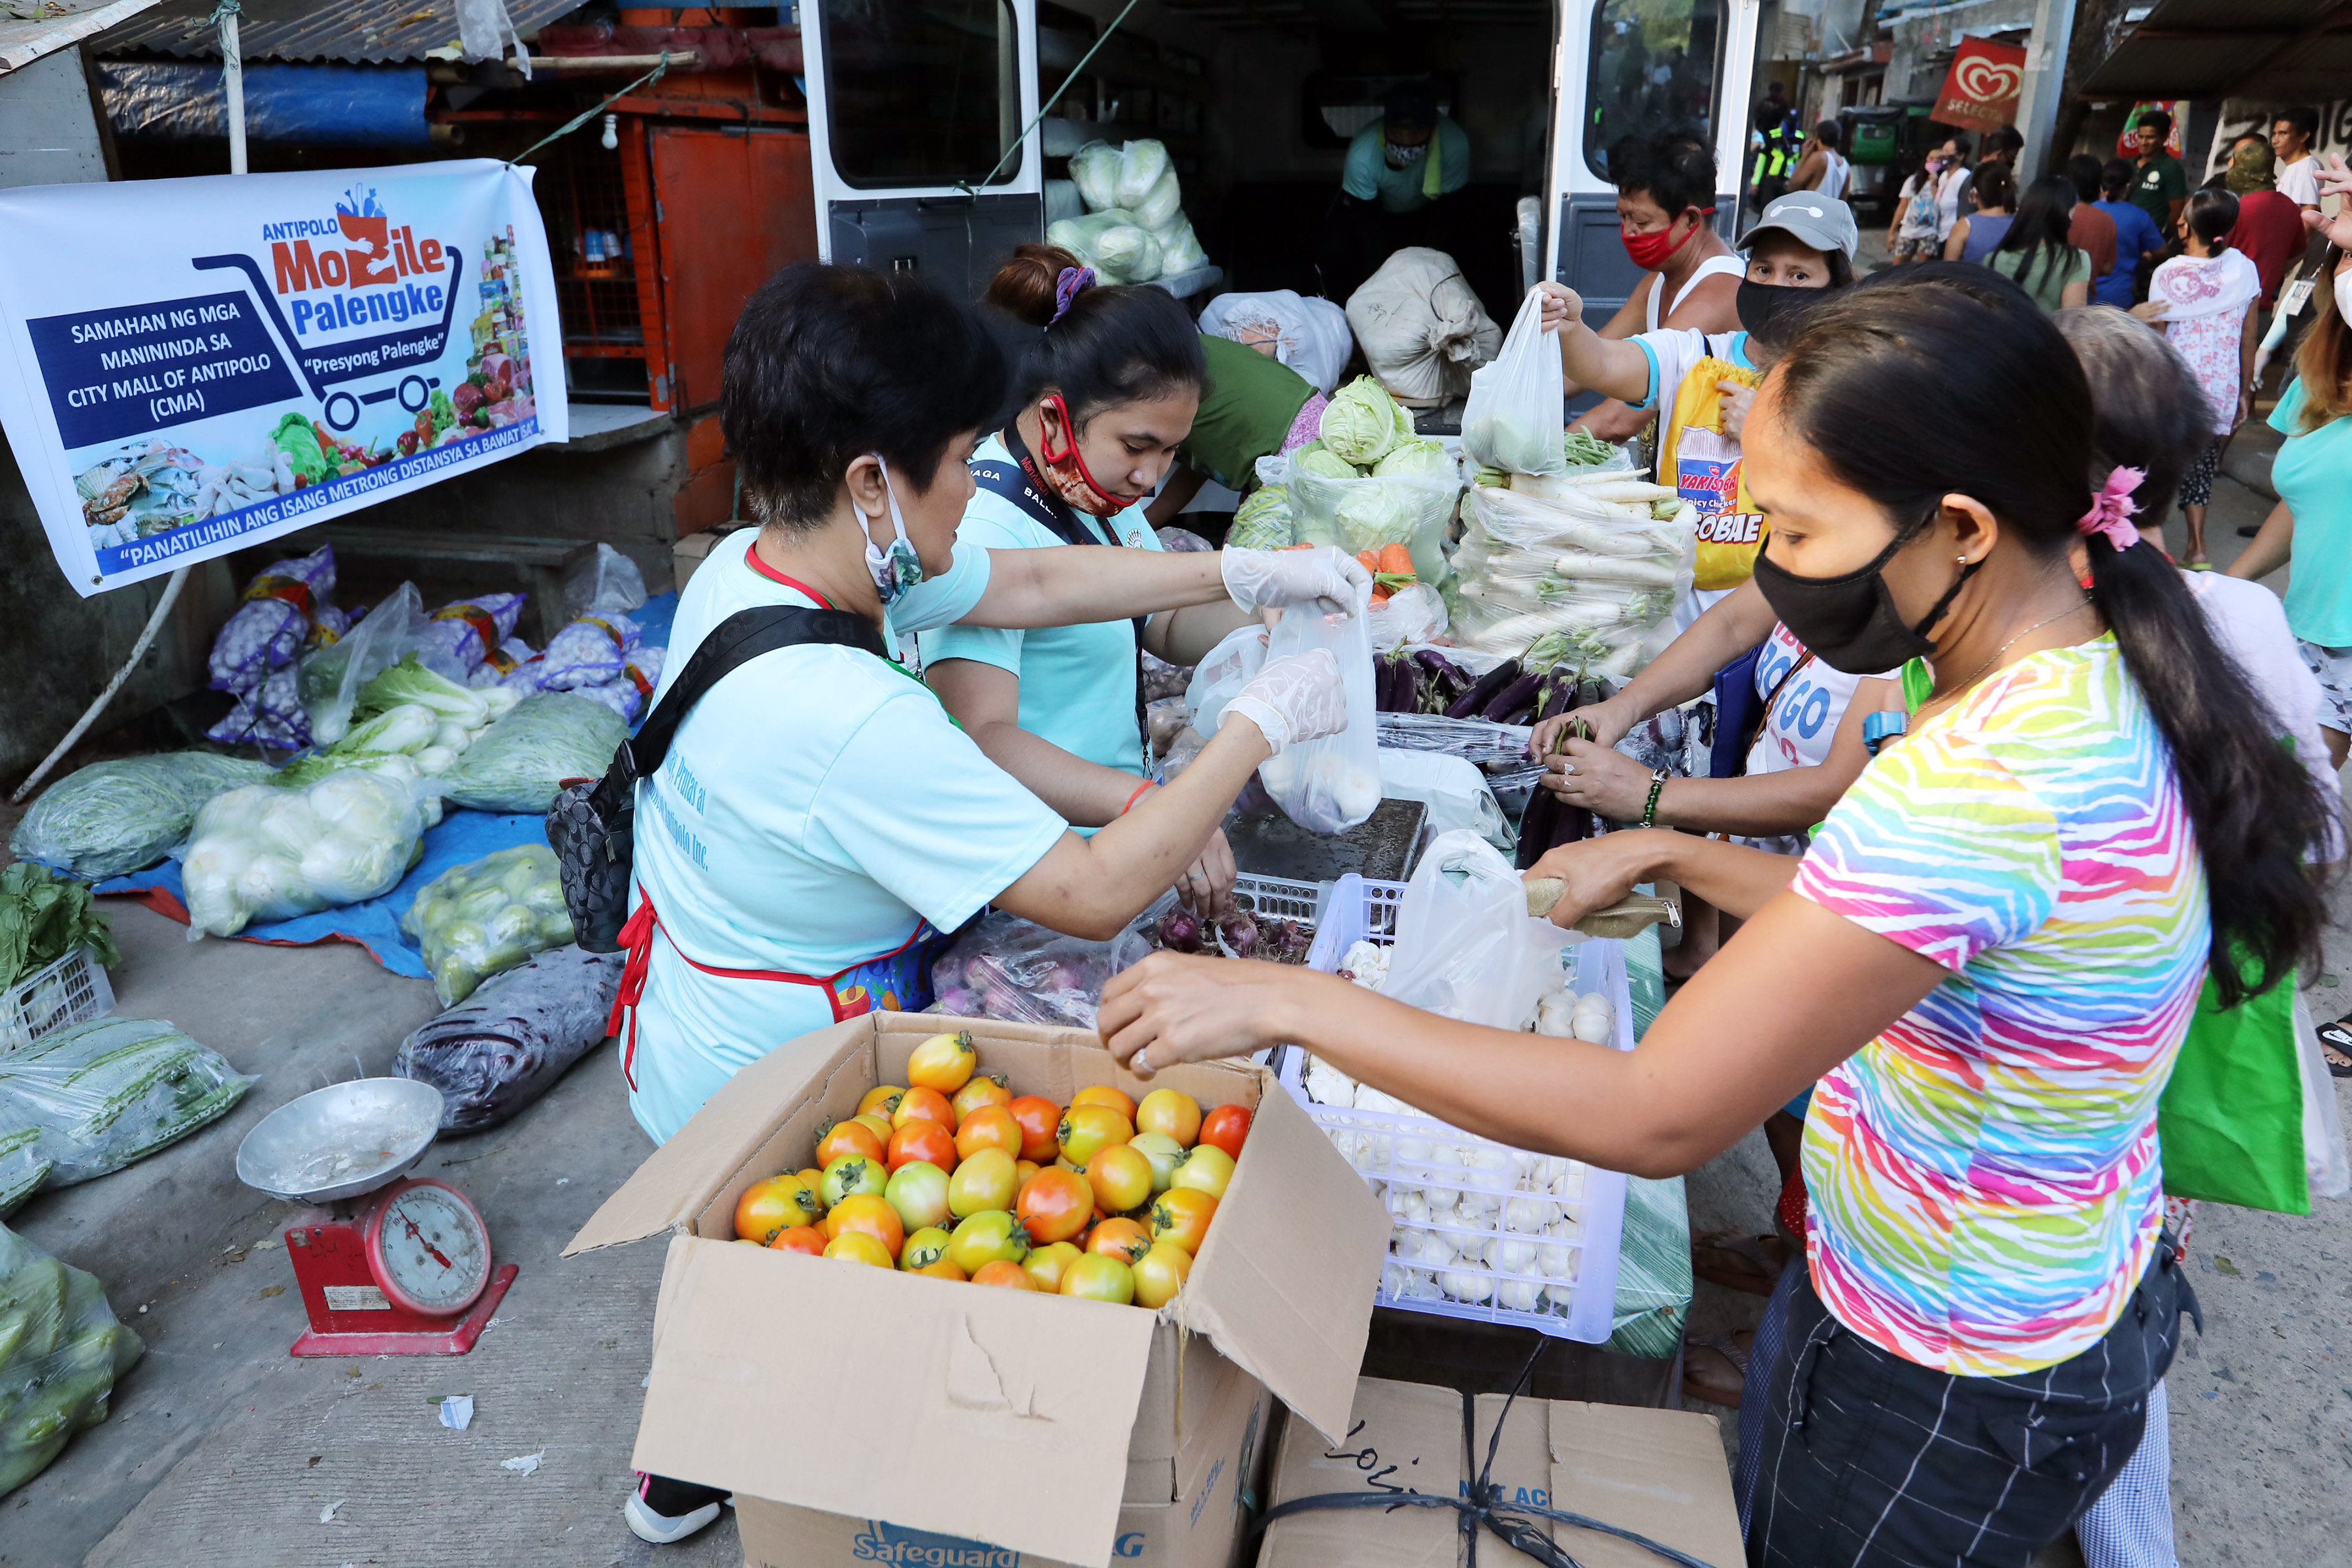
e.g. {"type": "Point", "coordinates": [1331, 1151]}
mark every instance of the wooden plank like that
{"type": "Point", "coordinates": [22, 43]}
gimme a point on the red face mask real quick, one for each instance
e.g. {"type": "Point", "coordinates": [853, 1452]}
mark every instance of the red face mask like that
{"type": "Point", "coordinates": [1650, 251]}
{"type": "Point", "coordinates": [1065, 470]}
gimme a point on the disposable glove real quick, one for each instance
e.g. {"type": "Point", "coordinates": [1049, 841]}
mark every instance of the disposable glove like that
{"type": "Point", "coordinates": [1299, 698]}
{"type": "Point", "coordinates": [1272, 579]}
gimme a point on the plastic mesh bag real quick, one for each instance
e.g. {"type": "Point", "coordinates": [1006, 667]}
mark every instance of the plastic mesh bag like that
{"type": "Point", "coordinates": [524, 758]}
{"type": "Point", "coordinates": [112, 818]}
{"type": "Point", "coordinates": [478, 919]}
{"type": "Point", "coordinates": [113, 1090]}
{"type": "Point", "coordinates": [1014, 970]}
{"type": "Point", "coordinates": [268, 853]}
{"type": "Point", "coordinates": [1517, 410]}
{"type": "Point", "coordinates": [61, 1352]}
{"type": "Point", "coordinates": [267, 629]}
{"type": "Point", "coordinates": [514, 1036]}
{"type": "Point", "coordinates": [469, 631]}
{"type": "Point", "coordinates": [1331, 784]}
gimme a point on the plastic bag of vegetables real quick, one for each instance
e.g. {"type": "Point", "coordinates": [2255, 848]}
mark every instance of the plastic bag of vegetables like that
{"type": "Point", "coordinates": [1262, 520]}
{"type": "Point", "coordinates": [1518, 408]}
{"type": "Point", "coordinates": [60, 1351]}
{"type": "Point", "coordinates": [1113, 242]}
{"type": "Point", "coordinates": [113, 1090]}
{"type": "Point", "coordinates": [1331, 784]}
{"type": "Point", "coordinates": [1465, 945]}
{"type": "Point", "coordinates": [1601, 571]}
{"type": "Point", "coordinates": [476, 920]}
{"type": "Point", "coordinates": [332, 678]}
{"type": "Point", "coordinates": [110, 819]}
{"type": "Point", "coordinates": [268, 853]}
{"type": "Point", "coordinates": [1008, 968]}
{"type": "Point", "coordinates": [517, 765]}
{"type": "Point", "coordinates": [1094, 169]}
{"type": "Point", "coordinates": [510, 1042]}
{"type": "Point", "coordinates": [1335, 502]}
{"type": "Point", "coordinates": [22, 1169]}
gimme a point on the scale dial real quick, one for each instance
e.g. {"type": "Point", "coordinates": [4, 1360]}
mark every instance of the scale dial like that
{"type": "Point", "coordinates": [429, 1248]}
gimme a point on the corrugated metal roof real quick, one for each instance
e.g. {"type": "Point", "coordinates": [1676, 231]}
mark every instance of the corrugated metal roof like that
{"type": "Point", "coordinates": [2235, 49]}
{"type": "Point", "coordinates": [363, 32]}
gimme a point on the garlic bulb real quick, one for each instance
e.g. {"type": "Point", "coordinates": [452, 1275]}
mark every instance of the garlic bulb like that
{"type": "Point", "coordinates": [1463, 1286]}
{"type": "Point", "coordinates": [1519, 1296]}
{"type": "Point", "coordinates": [1530, 1216]}
{"type": "Point", "coordinates": [1570, 1183]}
{"type": "Point", "coordinates": [1557, 1260]}
{"type": "Point", "coordinates": [1327, 1085]}
{"type": "Point", "coordinates": [1508, 1255]}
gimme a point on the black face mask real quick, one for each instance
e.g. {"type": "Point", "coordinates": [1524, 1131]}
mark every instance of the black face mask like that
{"type": "Point", "coordinates": [1849, 622]}
{"type": "Point", "coordinates": [1772, 312]}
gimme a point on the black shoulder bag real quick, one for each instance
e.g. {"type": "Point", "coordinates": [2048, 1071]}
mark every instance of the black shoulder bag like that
{"type": "Point", "coordinates": [592, 825]}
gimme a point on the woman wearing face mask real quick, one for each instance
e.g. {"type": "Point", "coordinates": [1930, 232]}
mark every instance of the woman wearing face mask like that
{"type": "Point", "coordinates": [1990, 950]}
{"type": "Point", "coordinates": [1105, 397]}
{"type": "Point", "coordinates": [1929, 205]}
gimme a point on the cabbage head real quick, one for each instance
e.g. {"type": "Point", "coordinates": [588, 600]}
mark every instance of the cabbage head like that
{"type": "Point", "coordinates": [1414, 457]}
{"type": "Point", "coordinates": [1127, 253]}
{"type": "Point", "coordinates": [1360, 423]}
{"type": "Point", "coordinates": [1262, 521]}
{"type": "Point", "coordinates": [1161, 205]}
{"type": "Point", "coordinates": [114, 818]}
{"type": "Point", "coordinates": [1372, 514]}
{"type": "Point", "coordinates": [1318, 460]}
{"type": "Point", "coordinates": [1142, 162]}
{"type": "Point", "coordinates": [1094, 169]}
{"type": "Point", "coordinates": [1179, 248]}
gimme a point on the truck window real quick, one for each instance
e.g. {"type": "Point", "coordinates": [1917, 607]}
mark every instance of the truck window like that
{"type": "Point", "coordinates": [1653, 67]}
{"type": "Point", "coordinates": [920, 92]}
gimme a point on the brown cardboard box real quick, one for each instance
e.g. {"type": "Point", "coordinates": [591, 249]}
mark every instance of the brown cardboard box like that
{"type": "Point", "coordinates": [1658, 1472]}
{"type": "Point", "coordinates": [1024, 1421]}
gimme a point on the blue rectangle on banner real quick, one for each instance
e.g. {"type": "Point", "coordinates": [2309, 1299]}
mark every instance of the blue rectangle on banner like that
{"type": "Point", "coordinates": [121, 372]}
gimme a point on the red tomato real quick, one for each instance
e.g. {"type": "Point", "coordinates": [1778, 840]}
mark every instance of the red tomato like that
{"type": "Point", "coordinates": [777, 1204]}
{"type": "Point", "coordinates": [1008, 1276]}
{"type": "Point", "coordinates": [989, 1127]}
{"type": "Point", "coordinates": [1054, 1205]}
{"type": "Point", "coordinates": [805, 1238]}
{"type": "Point", "coordinates": [920, 1140]}
{"type": "Point", "coordinates": [923, 1105]}
{"type": "Point", "coordinates": [1040, 1121]}
{"type": "Point", "coordinates": [849, 1137]}
{"type": "Point", "coordinates": [1227, 1127]}
{"type": "Point", "coordinates": [875, 1123]}
{"type": "Point", "coordinates": [1125, 1239]}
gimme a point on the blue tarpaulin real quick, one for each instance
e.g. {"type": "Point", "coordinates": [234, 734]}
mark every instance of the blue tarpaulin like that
{"type": "Point", "coordinates": [375, 106]}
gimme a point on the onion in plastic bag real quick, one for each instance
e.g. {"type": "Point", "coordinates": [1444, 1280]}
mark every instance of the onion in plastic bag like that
{"type": "Point", "coordinates": [478, 919]}
{"type": "Point", "coordinates": [519, 761]}
{"type": "Point", "coordinates": [507, 1044]}
{"type": "Point", "coordinates": [112, 818]}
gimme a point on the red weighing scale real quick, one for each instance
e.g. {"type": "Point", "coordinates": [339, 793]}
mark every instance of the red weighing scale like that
{"type": "Point", "coordinates": [386, 1265]}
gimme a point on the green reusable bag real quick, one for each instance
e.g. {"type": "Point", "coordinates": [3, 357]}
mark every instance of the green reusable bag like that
{"type": "Point", "coordinates": [2230, 1119]}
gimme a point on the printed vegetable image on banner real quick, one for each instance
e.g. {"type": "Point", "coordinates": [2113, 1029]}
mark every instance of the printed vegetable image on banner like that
{"type": "Point", "coordinates": [273, 351]}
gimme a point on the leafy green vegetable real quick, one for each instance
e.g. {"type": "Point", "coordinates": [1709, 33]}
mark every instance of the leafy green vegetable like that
{"type": "Point", "coordinates": [1318, 459]}
{"type": "Point", "coordinates": [442, 412]}
{"type": "Point", "coordinates": [1263, 521]}
{"type": "Point", "coordinates": [298, 439]}
{"type": "Point", "coordinates": [519, 762]}
{"type": "Point", "coordinates": [114, 818]}
{"type": "Point", "coordinates": [1414, 457]}
{"type": "Point", "coordinates": [1585, 450]}
{"type": "Point", "coordinates": [43, 917]}
{"type": "Point", "coordinates": [1362, 422]}
{"type": "Point", "coordinates": [409, 681]}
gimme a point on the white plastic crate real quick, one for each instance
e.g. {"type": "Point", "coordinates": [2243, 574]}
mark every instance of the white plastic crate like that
{"type": "Point", "coordinates": [67, 992]}
{"type": "Point", "coordinates": [1402, 1152]}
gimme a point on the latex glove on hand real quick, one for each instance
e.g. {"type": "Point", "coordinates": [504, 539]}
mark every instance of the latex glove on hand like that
{"type": "Point", "coordinates": [1272, 579]}
{"type": "Point", "coordinates": [1300, 698]}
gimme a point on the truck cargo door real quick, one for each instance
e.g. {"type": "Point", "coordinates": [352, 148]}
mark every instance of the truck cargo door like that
{"type": "Point", "coordinates": [915, 115]}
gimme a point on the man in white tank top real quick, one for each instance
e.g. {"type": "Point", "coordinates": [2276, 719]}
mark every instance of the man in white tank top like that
{"type": "Point", "coordinates": [1822, 167]}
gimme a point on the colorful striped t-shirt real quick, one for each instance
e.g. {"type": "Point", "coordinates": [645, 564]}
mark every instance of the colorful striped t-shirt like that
{"type": "Point", "coordinates": [1983, 1178]}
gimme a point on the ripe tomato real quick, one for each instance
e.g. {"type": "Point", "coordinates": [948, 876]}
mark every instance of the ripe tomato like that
{"type": "Point", "coordinates": [944, 1269]}
{"type": "Point", "coordinates": [849, 1137]}
{"type": "Point", "coordinates": [882, 1099]}
{"type": "Point", "coordinates": [984, 1238]}
{"type": "Point", "coordinates": [1171, 1113]}
{"type": "Point", "coordinates": [857, 1247]}
{"type": "Point", "coordinates": [1206, 1168]}
{"type": "Point", "coordinates": [943, 1062]}
{"type": "Point", "coordinates": [920, 1140]}
{"type": "Point", "coordinates": [805, 1238]}
{"type": "Point", "coordinates": [1086, 1128]}
{"type": "Point", "coordinates": [1022, 1171]}
{"type": "Point", "coordinates": [923, 1105]}
{"type": "Point", "coordinates": [1005, 1274]}
{"type": "Point", "coordinates": [989, 1127]}
{"type": "Point", "coordinates": [812, 1178]}
{"type": "Point", "coordinates": [984, 1181]}
{"type": "Point", "coordinates": [852, 1174]}
{"type": "Point", "coordinates": [1165, 1154]}
{"type": "Point", "coordinates": [1125, 1239]}
{"type": "Point", "coordinates": [1054, 1205]}
{"type": "Point", "coordinates": [985, 1088]}
{"type": "Point", "coordinates": [875, 1216]}
{"type": "Point", "coordinates": [923, 1248]}
{"type": "Point", "coordinates": [1120, 1176]}
{"type": "Point", "coordinates": [1181, 1215]}
{"type": "Point", "coordinates": [1159, 1273]}
{"type": "Point", "coordinates": [1103, 1094]}
{"type": "Point", "coordinates": [1040, 1120]}
{"type": "Point", "coordinates": [1094, 1278]}
{"type": "Point", "coordinates": [1045, 1265]}
{"type": "Point", "coordinates": [877, 1125]}
{"type": "Point", "coordinates": [777, 1204]}
{"type": "Point", "coordinates": [1227, 1127]}
{"type": "Point", "coordinates": [919, 1190]}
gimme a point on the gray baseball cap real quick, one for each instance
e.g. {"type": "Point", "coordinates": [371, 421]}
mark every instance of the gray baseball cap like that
{"type": "Point", "coordinates": [1824, 223]}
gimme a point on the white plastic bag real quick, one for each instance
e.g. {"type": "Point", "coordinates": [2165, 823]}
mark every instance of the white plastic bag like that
{"type": "Point", "coordinates": [1422, 327]}
{"type": "Point", "coordinates": [1222, 673]}
{"type": "Point", "coordinates": [1142, 164]}
{"type": "Point", "coordinates": [1331, 784]}
{"type": "Point", "coordinates": [1162, 204]}
{"type": "Point", "coordinates": [1112, 242]}
{"type": "Point", "coordinates": [1454, 790]}
{"type": "Point", "coordinates": [605, 581]}
{"type": "Point", "coordinates": [1309, 335]}
{"type": "Point", "coordinates": [1465, 945]}
{"type": "Point", "coordinates": [1518, 409]}
{"type": "Point", "coordinates": [269, 853]}
{"type": "Point", "coordinates": [1094, 169]}
{"type": "Point", "coordinates": [1413, 615]}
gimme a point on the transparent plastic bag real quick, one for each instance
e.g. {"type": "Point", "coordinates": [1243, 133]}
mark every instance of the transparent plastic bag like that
{"type": "Point", "coordinates": [1603, 572]}
{"type": "Point", "coordinates": [607, 581]}
{"type": "Point", "coordinates": [1113, 242]}
{"type": "Point", "coordinates": [110, 819]}
{"type": "Point", "coordinates": [1411, 509]}
{"type": "Point", "coordinates": [1517, 410]}
{"type": "Point", "coordinates": [61, 1351]}
{"type": "Point", "coordinates": [1094, 169]}
{"type": "Point", "coordinates": [331, 677]}
{"type": "Point", "coordinates": [113, 1090]}
{"type": "Point", "coordinates": [1016, 971]}
{"type": "Point", "coordinates": [1455, 792]}
{"type": "Point", "coordinates": [269, 853]}
{"type": "Point", "coordinates": [1142, 165]}
{"type": "Point", "coordinates": [1465, 945]}
{"type": "Point", "coordinates": [525, 757]}
{"type": "Point", "coordinates": [1222, 673]}
{"type": "Point", "coordinates": [1331, 784]}
{"type": "Point", "coordinates": [1412, 615]}
{"type": "Point", "coordinates": [514, 1036]}
{"type": "Point", "coordinates": [480, 919]}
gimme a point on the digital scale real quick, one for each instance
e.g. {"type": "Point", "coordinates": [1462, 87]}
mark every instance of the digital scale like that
{"type": "Point", "coordinates": [387, 1265]}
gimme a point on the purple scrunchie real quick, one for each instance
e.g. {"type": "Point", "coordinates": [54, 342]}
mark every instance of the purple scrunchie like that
{"type": "Point", "coordinates": [1066, 287]}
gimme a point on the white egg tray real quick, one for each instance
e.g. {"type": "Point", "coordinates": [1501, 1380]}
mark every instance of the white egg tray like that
{"type": "Point", "coordinates": [1529, 1239]}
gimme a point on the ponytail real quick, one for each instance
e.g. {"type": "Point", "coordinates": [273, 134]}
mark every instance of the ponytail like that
{"type": "Point", "coordinates": [1101, 344]}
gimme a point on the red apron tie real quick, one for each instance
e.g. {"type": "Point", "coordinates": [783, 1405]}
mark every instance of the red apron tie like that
{"type": "Point", "coordinates": [637, 939]}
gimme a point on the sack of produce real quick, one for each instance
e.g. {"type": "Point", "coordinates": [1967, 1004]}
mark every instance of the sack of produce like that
{"type": "Point", "coordinates": [1179, 248]}
{"type": "Point", "coordinates": [1113, 242]}
{"type": "Point", "coordinates": [110, 1092]}
{"type": "Point", "coordinates": [1142, 165]}
{"type": "Point", "coordinates": [591, 650]}
{"type": "Point", "coordinates": [1008, 968]}
{"type": "Point", "coordinates": [269, 853]}
{"type": "Point", "coordinates": [273, 620]}
{"type": "Point", "coordinates": [60, 1351]}
{"type": "Point", "coordinates": [110, 819]}
{"type": "Point", "coordinates": [1094, 169]}
{"type": "Point", "coordinates": [607, 581]}
{"type": "Point", "coordinates": [1421, 326]}
{"type": "Point", "coordinates": [1310, 334]}
{"type": "Point", "coordinates": [1331, 784]}
{"type": "Point", "coordinates": [332, 678]}
{"type": "Point", "coordinates": [467, 632]}
{"type": "Point", "coordinates": [519, 765]}
{"type": "Point", "coordinates": [478, 919]}
{"type": "Point", "coordinates": [628, 692]}
{"type": "Point", "coordinates": [1517, 407]}
{"type": "Point", "coordinates": [510, 1041]}
{"type": "Point", "coordinates": [1161, 205]}
{"type": "Point", "coordinates": [1589, 558]}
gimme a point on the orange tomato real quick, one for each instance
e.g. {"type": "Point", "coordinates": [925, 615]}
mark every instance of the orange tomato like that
{"type": "Point", "coordinates": [852, 1137]}
{"type": "Point", "coordinates": [1022, 1171]}
{"type": "Point", "coordinates": [989, 1127]}
{"type": "Point", "coordinates": [1205, 1168]}
{"type": "Point", "coordinates": [1094, 1278]}
{"type": "Point", "coordinates": [857, 1247]}
{"type": "Point", "coordinates": [1086, 1128]}
{"type": "Point", "coordinates": [1125, 1239]}
{"type": "Point", "coordinates": [1120, 1176]}
{"type": "Point", "coordinates": [1054, 1205]}
{"type": "Point", "coordinates": [777, 1204]}
{"type": "Point", "coordinates": [876, 1124]}
{"type": "Point", "coordinates": [985, 1088]}
{"type": "Point", "coordinates": [944, 1270]}
{"type": "Point", "coordinates": [1103, 1094]}
{"type": "Point", "coordinates": [1181, 1215]}
{"type": "Point", "coordinates": [920, 1140]}
{"type": "Point", "coordinates": [1040, 1120]}
{"type": "Point", "coordinates": [1159, 1273]}
{"type": "Point", "coordinates": [874, 1216]}
{"type": "Point", "coordinates": [1227, 1127]}
{"type": "Point", "coordinates": [1045, 1264]}
{"type": "Point", "coordinates": [813, 1176]}
{"type": "Point", "coordinates": [1171, 1113]}
{"type": "Point", "coordinates": [943, 1062]}
{"type": "Point", "coordinates": [1007, 1275]}
{"type": "Point", "coordinates": [923, 1105]}
{"type": "Point", "coordinates": [805, 1238]}
{"type": "Point", "coordinates": [882, 1099]}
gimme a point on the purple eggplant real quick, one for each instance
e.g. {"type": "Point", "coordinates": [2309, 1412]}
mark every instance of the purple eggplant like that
{"type": "Point", "coordinates": [1558, 701]}
{"type": "Point", "coordinates": [1408, 687]}
{"type": "Point", "coordinates": [1471, 703]}
{"type": "Point", "coordinates": [1519, 694]}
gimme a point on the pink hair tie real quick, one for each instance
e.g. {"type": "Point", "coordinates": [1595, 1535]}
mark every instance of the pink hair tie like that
{"type": "Point", "coordinates": [1066, 287]}
{"type": "Point", "coordinates": [2112, 510]}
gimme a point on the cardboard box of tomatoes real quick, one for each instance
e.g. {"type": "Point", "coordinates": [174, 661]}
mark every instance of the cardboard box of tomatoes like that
{"type": "Point", "coordinates": [899, 1416]}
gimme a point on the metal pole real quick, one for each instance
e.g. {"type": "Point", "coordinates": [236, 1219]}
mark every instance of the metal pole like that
{"type": "Point", "coordinates": [233, 83]}
{"type": "Point", "coordinates": [2045, 78]}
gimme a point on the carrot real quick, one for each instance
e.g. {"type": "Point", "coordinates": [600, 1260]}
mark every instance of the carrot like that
{"type": "Point", "coordinates": [1380, 593]}
{"type": "Point", "coordinates": [1393, 558]}
{"type": "Point", "coordinates": [1371, 562]}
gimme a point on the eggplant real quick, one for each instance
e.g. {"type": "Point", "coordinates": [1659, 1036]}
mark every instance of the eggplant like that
{"type": "Point", "coordinates": [1546, 824]}
{"type": "Point", "coordinates": [1519, 694]}
{"type": "Point", "coordinates": [1558, 701]}
{"type": "Point", "coordinates": [1471, 703]}
{"type": "Point", "coordinates": [1408, 687]}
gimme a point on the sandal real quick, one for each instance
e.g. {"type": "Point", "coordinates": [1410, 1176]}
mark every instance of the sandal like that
{"type": "Point", "coordinates": [2335, 1042]}
{"type": "Point", "coordinates": [1714, 1366]}
{"type": "Point", "coordinates": [1750, 1264]}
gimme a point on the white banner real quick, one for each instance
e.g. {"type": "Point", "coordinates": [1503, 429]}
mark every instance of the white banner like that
{"type": "Point", "coordinates": [194, 366]}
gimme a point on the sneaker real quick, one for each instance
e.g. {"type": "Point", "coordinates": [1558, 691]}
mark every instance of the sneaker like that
{"type": "Point", "coordinates": [647, 1523]}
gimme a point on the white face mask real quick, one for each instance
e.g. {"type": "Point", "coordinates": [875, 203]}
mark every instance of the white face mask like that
{"type": "Point", "coordinates": [899, 569]}
{"type": "Point", "coordinates": [1406, 157]}
{"type": "Point", "coordinates": [2344, 295]}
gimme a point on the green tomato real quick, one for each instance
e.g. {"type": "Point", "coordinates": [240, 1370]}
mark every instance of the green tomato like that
{"type": "Point", "coordinates": [852, 1174]}
{"type": "Point", "coordinates": [1165, 1154]}
{"type": "Point", "coordinates": [989, 1236]}
{"type": "Point", "coordinates": [919, 1190]}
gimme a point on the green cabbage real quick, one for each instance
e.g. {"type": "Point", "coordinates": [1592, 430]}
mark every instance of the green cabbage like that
{"type": "Point", "coordinates": [520, 759]}
{"type": "Point", "coordinates": [111, 818]}
{"type": "Point", "coordinates": [1317, 458]}
{"type": "Point", "coordinates": [1372, 514]}
{"type": "Point", "coordinates": [298, 439]}
{"type": "Point", "coordinates": [1263, 521]}
{"type": "Point", "coordinates": [1362, 422]}
{"type": "Point", "coordinates": [1414, 457]}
